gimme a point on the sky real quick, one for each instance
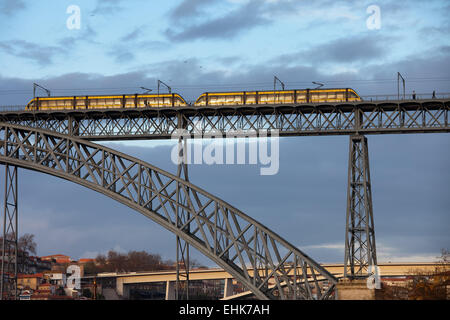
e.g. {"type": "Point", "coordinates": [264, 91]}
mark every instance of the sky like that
{"type": "Point", "coordinates": [117, 46]}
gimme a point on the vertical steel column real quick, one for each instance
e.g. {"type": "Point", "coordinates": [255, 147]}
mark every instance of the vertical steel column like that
{"type": "Point", "coordinates": [73, 126]}
{"type": "Point", "coordinates": [360, 249]}
{"type": "Point", "coordinates": [182, 263]}
{"type": "Point", "coordinates": [8, 285]}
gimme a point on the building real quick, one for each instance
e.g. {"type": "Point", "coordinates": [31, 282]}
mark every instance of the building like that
{"type": "Point", "coordinates": [29, 281]}
{"type": "Point", "coordinates": [84, 261]}
{"type": "Point", "coordinates": [57, 258]}
{"type": "Point", "coordinates": [37, 265]}
{"type": "Point", "coordinates": [55, 277]}
{"type": "Point", "coordinates": [27, 264]}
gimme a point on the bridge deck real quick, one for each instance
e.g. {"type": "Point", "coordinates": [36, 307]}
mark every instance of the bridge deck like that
{"type": "Point", "coordinates": [386, 269]}
{"type": "Point", "coordinates": [367, 117]}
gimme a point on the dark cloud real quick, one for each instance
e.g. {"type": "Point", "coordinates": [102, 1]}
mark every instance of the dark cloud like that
{"type": "Point", "coordinates": [349, 50]}
{"type": "Point", "coordinates": [423, 72]}
{"type": "Point", "coordinates": [133, 35]}
{"type": "Point", "coordinates": [435, 32]}
{"type": "Point", "coordinates": [121, 56]}
{"type": "Point", "coordinates": [242, 19]}
{"type": "Point", "coordinates": [10, 7]}
{"type": "Point", "coordinates": [346, 50]}
{"type": "Point", "coordinates": [190, 9]}
{"type": "Point", "coordinates": [229, 60]}
{"type": "Point", "coordinates": [44, 54]}
{"type": "Point", "coordinates": [41, 54]}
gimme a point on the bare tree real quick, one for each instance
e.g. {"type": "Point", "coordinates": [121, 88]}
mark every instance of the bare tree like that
{"type": "Point", "coordinates": [27, 244]}
{"type": "Point", "coordinates": [132, 261]}
{"type": "Point", "coordinates": [432, 285]}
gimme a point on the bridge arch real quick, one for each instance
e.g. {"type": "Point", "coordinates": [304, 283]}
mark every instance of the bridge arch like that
{"type": "Point", "coordinates": [233, 240]}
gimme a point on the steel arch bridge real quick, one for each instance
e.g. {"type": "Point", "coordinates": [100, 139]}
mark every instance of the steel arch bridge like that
{"type": "Point", "coordinates": [226, 235]}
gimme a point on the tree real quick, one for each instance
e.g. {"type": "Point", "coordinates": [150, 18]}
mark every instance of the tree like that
{"type": "Point", "coordinates": [432, 285]}
{"type": "Point", "coordinates": [117, 261]}
{"type": "Point", "coordinates": [26, 243]}
{"type": "Point", "coordinates": [86, 293]}
{"type": "Point", "coordinates": [141, 260]}
{"type": "Point", "coordinates": [90, 268]}
{"type": "Point", "coordinates": [132, 261]}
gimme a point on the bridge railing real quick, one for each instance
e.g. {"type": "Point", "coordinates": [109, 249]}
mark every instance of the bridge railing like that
{"type": "Point", "coordinates": [12, 108]}
{"type": "Point", "coordinates": [409, 96]}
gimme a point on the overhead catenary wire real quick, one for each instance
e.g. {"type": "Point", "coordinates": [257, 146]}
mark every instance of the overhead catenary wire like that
{"type": "Point", "coordinates": [218, 86]}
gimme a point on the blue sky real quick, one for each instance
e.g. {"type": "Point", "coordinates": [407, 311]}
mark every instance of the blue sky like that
{"type": "Point", "coordinates": [209, 45]}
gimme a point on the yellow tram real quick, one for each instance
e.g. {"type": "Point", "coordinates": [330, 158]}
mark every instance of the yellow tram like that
{"type": "Point", "coordinates": [206, 99]}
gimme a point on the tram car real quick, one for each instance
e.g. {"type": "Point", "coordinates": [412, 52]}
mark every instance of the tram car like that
{"type": "Point", "coordinates": [106, 102]}
{"type": "Point", "coordinates": [206, 99]}
{"type": "Point", "coordinates": [276, 97]}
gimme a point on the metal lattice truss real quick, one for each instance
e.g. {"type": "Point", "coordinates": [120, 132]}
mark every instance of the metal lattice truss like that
{"type": "Point", "coordinates": [360, 248]}
{"type": "Point", "coordinates": [317, 119]}
{"type": "Point", "coordinates": [261, 260]}
{"type": "Point", "coordinates": [9, 255]}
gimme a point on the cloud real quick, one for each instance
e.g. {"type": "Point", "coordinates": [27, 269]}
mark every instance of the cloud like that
{"type": "Point", "coordinates": [190, 9]}
{"type": "Point", "coordinates": [191, 76]}
{"type": "Point", "coordinates": [10, 7]}
{"type": "Point", "coordinates": [41, 54]}
{"type": "Point", "coordinates": [128, 46]}
{"type": "Point", "coordinates": [133, 35]}
{"type": "Point", "coordinates": [105, 7]}
{"type": "Point", "coordinates": [122, 53]}
{"type": "Point", "coordinates": [195, 19]}
{"type": "Point", "coordinates": [338, 246]}
{"type": "Point", "coordinates": [346, 50]}
{"type": "Point", "coordinates": [385, 253]}
{"type": "Point", "coordinates": [94, 254]}
{"type": "Point", "coordinates": [121, 56]}
{"type": "Point", "coordinates": [88, 35]}
{"type": "Point", "coordinates": [430, 64]}
{"type": "Point", "coordinates": [228, 26]}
